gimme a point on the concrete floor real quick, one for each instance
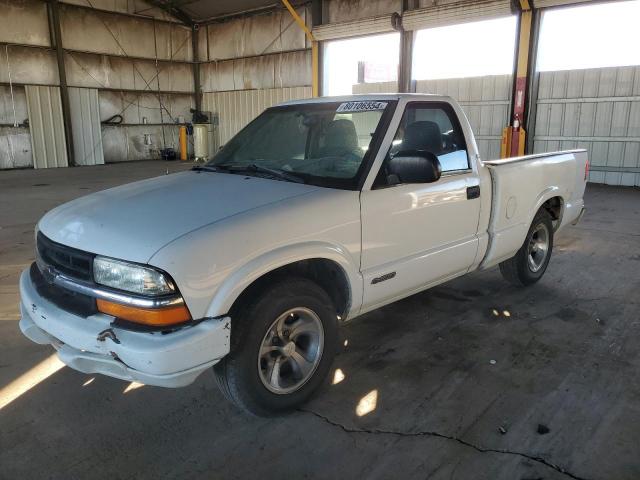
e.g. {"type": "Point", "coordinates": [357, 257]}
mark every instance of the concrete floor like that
{"type": "Point", "coordinates": [566, 352]}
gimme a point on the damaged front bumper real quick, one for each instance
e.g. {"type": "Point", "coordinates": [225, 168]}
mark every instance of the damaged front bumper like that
{"type": "Point", "coordinates": [93, 345]}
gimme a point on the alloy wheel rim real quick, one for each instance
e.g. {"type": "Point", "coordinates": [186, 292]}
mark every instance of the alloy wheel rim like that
{"type": "Point", "coordinates": [291, 350]}
{"type": "Point", "coordinates": [538, 248]}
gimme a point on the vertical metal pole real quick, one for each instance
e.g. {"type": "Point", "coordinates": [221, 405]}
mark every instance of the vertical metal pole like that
{"type": "Point", "coordinates": [405, 62]}
{"type": "Point", "coordinates": [517, 141]}
{"type": "Point", "coordinates": [532, 86]}
{"type": "Point", "coordinates": [56, 37]}
{"type": "Point", "coordinates": [317, 7]}
{"type": "Point", "coordinates": [196, 68]}
{"type": "Point", "coordinates": [316, 12]}
{"type": "Point", "coordinates": [160, 105]}
{"type": "Point", "coordinates": [315, 47]}
{"type": "Point", "coordinates": [315, 68]}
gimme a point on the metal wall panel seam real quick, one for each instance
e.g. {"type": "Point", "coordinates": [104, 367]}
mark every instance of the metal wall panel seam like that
{"type": "Point", "coordinates": [588, 138]}
{"type": "Point", "coordinates": [589, 100]}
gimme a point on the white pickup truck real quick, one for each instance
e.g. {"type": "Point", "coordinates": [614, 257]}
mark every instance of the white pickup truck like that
{"type": "Point", "coordinates": [315, 213]}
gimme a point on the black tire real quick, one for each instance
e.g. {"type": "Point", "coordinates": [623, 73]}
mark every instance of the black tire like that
{"type": "Point", "coordinates": [518, 270]}
{"type": "Point", "coordinates": [238, 375]}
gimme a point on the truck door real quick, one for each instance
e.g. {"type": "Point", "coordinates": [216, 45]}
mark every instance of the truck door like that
{"type": "Point", "coordinates": [414, 235]}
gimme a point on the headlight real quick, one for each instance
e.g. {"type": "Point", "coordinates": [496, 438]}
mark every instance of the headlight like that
{"type": "Point", "coordinates": [131, 277]}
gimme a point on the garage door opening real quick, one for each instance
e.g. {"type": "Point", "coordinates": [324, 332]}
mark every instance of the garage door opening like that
{"type": "Point", "coordinates": [592, 36]}
{"type": "Point", "coordinates": [588, 93]}
{"type": "Point", "coordinates": [473, 63]}
{"type": "Point", "coordinates": [466, 50]}
{"type": "Point", "coordinates": [353, 65]}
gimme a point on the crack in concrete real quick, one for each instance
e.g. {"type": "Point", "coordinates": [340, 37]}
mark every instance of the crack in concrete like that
{"type": "Point", "coordinates": [534, 458]}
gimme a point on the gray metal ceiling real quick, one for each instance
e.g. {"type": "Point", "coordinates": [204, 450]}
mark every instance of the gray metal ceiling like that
{"type": "Point", "coordinates": [199, 11]}
{"type": "Point", "coordinates": [202, 10]}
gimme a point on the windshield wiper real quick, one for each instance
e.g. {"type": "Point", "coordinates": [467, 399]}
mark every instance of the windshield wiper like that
{"type": "Point", "coordinates": [254, 168]}
{"type": "Point", "coordinates": [205, 168]}
{"type": "Point", "coordinates": [251, 168]}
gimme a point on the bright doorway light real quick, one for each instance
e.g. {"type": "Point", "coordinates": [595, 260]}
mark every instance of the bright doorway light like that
{"type": "Point", "coordinates": [466, 50]}
{"type": "Point", "coordinates": [592, 36]}
{"type": "Point", "coordinates": [372, 59]}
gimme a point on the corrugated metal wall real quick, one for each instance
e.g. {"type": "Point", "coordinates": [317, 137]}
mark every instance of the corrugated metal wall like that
{"type": "Point", "coordinates": [259, 52]}
{"type": "Point", "coordinates": [104, 50]}
{"type": "Point", "coordinates": [15, 141]}
{"type": "Point", "coordinates": [485, 100]}
{"type": "Point", "coordinates": [85, 125]}
{"type": "Point", "coordinates": [237, 108]}
{"type": "Point", "coordinates": [596, 109]}
{"type": "Point", "coordinates": [47, 126]}
{"type": "Point", "coordinates": [249, 64]}
{"type": "Point", "coordinates": [141, 114]}
{"type": "Point", "coordinates": [378, 87]}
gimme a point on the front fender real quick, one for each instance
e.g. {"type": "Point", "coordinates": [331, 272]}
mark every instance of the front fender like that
{"type": "Point", "coordinates": [236, 282]}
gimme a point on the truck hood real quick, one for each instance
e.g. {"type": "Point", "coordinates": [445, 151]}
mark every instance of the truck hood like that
{"type": "Point", "coordinates": [134, 221]}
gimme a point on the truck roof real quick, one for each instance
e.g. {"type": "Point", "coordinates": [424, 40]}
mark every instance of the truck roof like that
{"type": "Point", "coordinates": [369, 96]}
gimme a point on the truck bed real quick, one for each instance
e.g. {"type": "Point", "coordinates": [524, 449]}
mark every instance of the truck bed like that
{"type": "Point", "coordinates": [520, 186]}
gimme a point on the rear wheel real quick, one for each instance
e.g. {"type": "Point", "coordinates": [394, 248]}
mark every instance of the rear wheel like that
{"type": "Point", "coordinates": [528, 265]}
{"type": "Point", "coordinates": [283, 344]}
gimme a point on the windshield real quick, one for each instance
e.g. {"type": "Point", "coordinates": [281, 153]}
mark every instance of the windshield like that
{"type": "Point", "coordinates": [325, 144]}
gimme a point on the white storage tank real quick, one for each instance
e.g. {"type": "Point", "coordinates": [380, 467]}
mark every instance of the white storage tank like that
{"type": "Point", "coordinates": [201, 141]}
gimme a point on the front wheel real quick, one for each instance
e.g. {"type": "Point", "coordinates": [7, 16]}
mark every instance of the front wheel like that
{"type": "Point", "coordinates": [282, 347]}
{"type": "Point", "coordinates": [528, 265]}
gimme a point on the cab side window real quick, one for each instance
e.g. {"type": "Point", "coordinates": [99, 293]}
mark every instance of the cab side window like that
{"type": "Point", "coordinates": [429, 127]}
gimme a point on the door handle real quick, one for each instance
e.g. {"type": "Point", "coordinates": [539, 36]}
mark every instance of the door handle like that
{"type": "Point", "coordinates": [473, 192]}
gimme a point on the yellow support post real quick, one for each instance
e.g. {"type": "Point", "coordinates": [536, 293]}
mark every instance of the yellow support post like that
{"type": "Point", "coordinates": [505, 145]}
{"type": "Point", "coordinates": [315, 67]}
{"type": "Point", "coordinates": [514, 146]}
{"type": "Point", "coordinates": [183, 143]}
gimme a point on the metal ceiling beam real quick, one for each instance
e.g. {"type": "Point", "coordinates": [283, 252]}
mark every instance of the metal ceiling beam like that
{"type": "Point", "coordinates": [225, 17]}
{"type": "Point", "coordinates": [172, 9]}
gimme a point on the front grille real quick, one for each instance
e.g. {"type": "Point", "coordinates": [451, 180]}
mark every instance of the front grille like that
{"type": "Point", "coordinates": [67, 300]}
{"type": "Point", "coordinates": [69, 261]}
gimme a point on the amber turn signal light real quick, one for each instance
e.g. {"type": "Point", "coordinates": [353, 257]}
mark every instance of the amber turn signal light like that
{"type": "Point", "coordinates": [156, 317]}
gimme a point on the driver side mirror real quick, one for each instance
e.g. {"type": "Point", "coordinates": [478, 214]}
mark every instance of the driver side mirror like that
{"type": "Point", "coordinates": [413, 166]}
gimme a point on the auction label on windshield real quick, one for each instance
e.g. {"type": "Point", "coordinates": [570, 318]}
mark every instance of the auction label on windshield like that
{"type": "Point", "coordinates": [363, 106]}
